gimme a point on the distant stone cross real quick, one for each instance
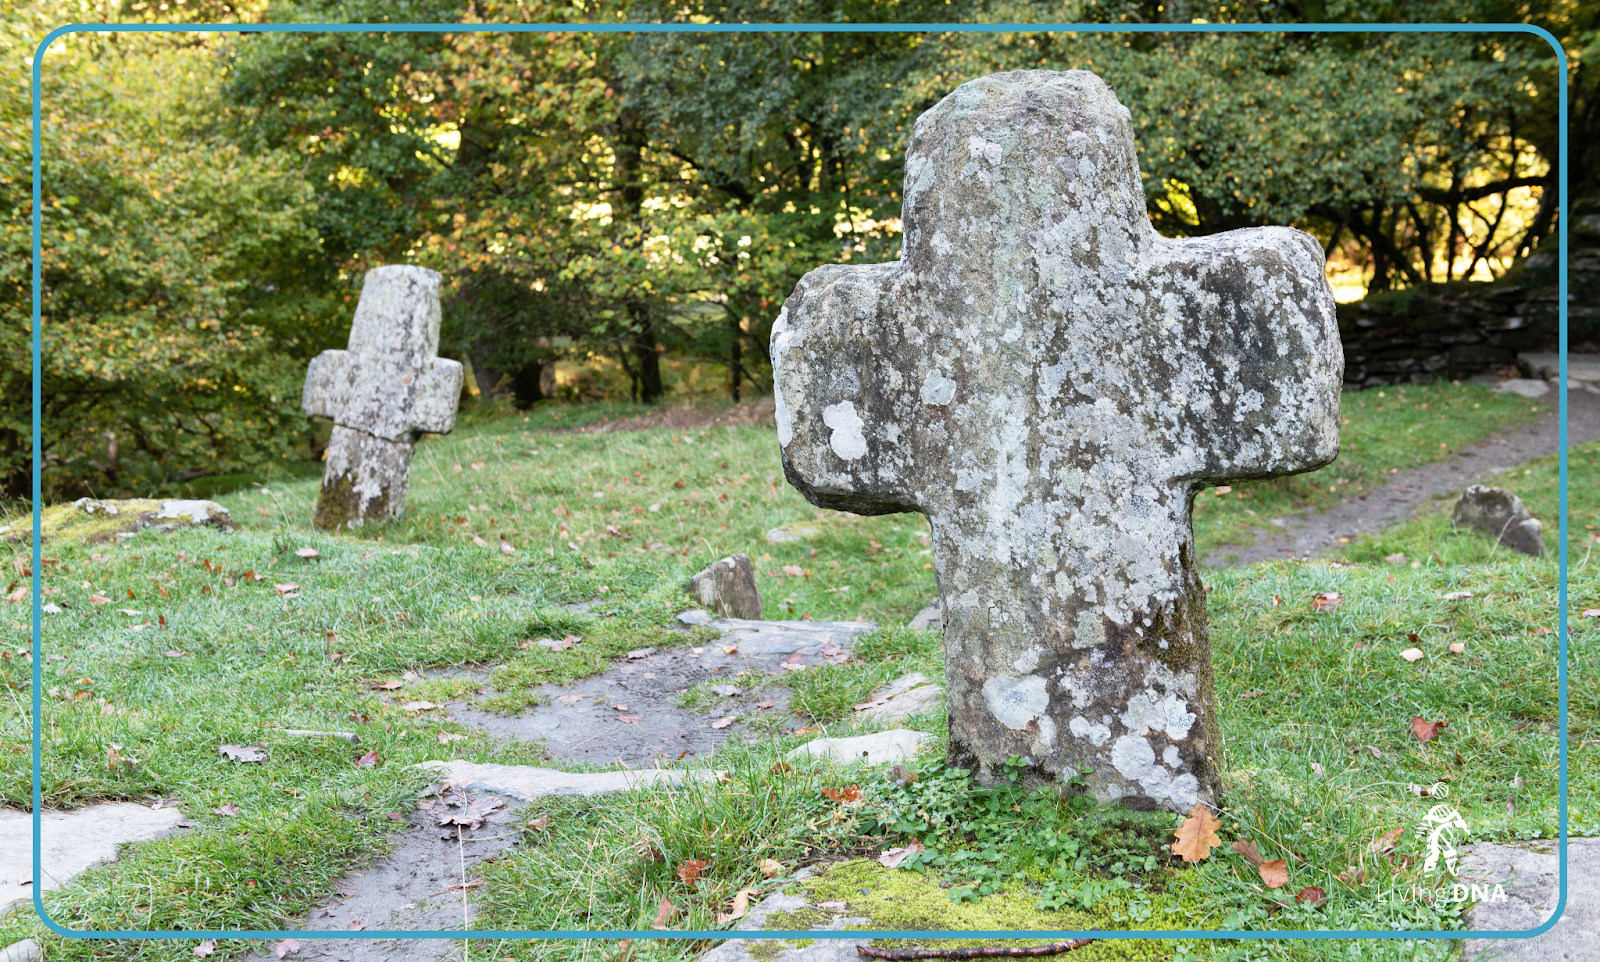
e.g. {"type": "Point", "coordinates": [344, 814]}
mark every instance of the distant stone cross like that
{"type": "Point", "coordinates": [1051, 382]}
{"type": "Point", "coordinates": [381, 392]}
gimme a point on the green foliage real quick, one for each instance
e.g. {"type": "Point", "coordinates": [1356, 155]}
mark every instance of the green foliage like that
{"type": "Point", "coordinates": [183, 283]}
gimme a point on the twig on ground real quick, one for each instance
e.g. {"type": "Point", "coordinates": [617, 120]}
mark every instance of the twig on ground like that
{"type": "Point", "coordinates": [982, 952]}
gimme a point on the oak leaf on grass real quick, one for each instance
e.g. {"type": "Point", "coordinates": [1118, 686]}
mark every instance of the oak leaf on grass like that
{"type": "Point", "coordinates": [1426, 731]}
{"type": "Point", "coordinates": [690, 870]}
{"type": "Point", "coordinates": [1275, 873]}
{"type": "Point", "coordinates": [1197, 836]}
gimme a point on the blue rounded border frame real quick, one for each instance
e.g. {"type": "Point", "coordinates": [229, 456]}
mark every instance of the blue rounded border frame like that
{"type": "Point", "coordinates": [38, 615]}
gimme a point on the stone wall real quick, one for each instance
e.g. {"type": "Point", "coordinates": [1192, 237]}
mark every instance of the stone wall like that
{"type": "Point", "coordinates": [1464, 328]}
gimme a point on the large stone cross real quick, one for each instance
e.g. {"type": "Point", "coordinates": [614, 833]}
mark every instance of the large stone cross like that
{"type": "Point", "coordinates": [381, 392]}
{"type": "Point", "coordinates": [1051, 382]}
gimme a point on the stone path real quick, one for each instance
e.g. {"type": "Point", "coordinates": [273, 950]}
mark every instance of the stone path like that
{"type": "Point", "coordinates": [1313, 534]}
{"type": "Point", "coordinates": [73, 841]}
{"type": "Point", "coordinates": [1528, 872]}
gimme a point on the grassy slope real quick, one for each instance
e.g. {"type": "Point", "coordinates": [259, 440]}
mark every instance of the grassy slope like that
{"type": "Point", "coordinates": [423, 592]}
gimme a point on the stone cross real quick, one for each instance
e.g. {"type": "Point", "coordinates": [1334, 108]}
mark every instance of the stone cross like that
{"type": "Point", "coordinates": [1051, 382]}
{"type": "Point", "coordinates": [381, 392]}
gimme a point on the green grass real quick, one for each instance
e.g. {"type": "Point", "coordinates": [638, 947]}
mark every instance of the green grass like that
{"type": "Point", "coordinates": [1385, 431]}
{"type": "Point", "coordinates": [423, 593]}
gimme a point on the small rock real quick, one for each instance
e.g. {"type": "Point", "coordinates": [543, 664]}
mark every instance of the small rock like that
{"type": "Point", "coordinates": [526, 782]}
{"type": "Point", "coordinates": [929, 617]}
{"type": "Point", "coordinates": [793, 531]}
{"type": "Point", "coordinates": [901, 698]}
{"type": "Point", "coordinates": [1525, 386]}
{"type": "Point", "coordinates": [883, 748]}
{"type": "Point", "coordinates": [1502, 515]}
{"type": "Point", "coordinates": [25, 951]}
{"type": "Point", "coordinates": [93, 521]}
{"type": "Point", "coordinates": [73, 841]}
{"type": "Point", "coordinates": [728, 587]}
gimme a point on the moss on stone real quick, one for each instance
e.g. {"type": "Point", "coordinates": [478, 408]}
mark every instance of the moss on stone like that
{"type": "Point", "coordinates": [70, 524]}
{"type": "Point", "coordinates": [909, 900]}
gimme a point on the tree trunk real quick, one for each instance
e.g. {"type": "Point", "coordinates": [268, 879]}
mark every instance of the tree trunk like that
{"type": "Point", "coordinates": [527, 385]}
{"type": "Point", "coordinates": [735, 358]}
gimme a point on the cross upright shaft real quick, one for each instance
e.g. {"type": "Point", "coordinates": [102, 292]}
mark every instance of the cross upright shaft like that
{"type": "Point", "coordinates": [1050, 382]}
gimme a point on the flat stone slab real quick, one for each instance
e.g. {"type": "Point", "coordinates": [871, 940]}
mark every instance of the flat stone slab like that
{"type": "Point", "coordinates": [1527, 387]}
{"type": "Point", "coordinates": [73, 841]}
{"type": "Point", "coordinates": [929, 617]}
{"type": "Point", "coordinates": [1528, 874]}
{"type": "Point", "coordinates": [822, 950]}
{"type": "Point", "coordinates": [417, 887]}
{"type": "Point", "coordinates": [1580, 367]}
{"type": "Point", "coordinates": [907, 695]}
{"type": "Point", "coordinates": [92, 521]}
{"type": "Point", "coordinates": [883, 748]}
{"type": "Point", "coordinates": [763, 639]}
{"type": "Point", "coordinates": [525, 782]}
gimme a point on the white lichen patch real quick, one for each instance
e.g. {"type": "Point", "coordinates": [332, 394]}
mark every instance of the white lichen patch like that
{"type": "Point", "coordinates": [1016, 701]}
{"type": "Point", "coordinates": [1094, 734]}
{"type": "Point", "coordinates": [847, 440]}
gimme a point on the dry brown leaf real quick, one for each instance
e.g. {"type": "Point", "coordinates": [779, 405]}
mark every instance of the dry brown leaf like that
{"type": "Point", "coordinates": [388, 685]}
{"type": "Point", "coordinates": [96, 599]}
{"type": "Point", "coordinates": [1275, 873]}
{"type": "Point", "coordinates": [540, 824]}
{"type": "Point", "coordinates": [229, 810]}
{"type": "Point", "coordinates": [1457, 647]}
{"type": "Point", "coordinates": [1411, 654]}
{"type": "Point", "coordinates": [724, 722]}
{"type": "Point", "coordinates": [689, 871]}
{"type": "Point", "coordinates": [770, 867]}
{"type": "Point", "coordinates": [369, 760]}
{"type": "Point", "coordinates": [286, 947]}
{"type": "Point", "coordinates": [1248, 850]}
{"type": "Point", "coordinates": [1326, 602]}
{"type": "Point", "coordinates": [1384, 843]}
{"type": "Point", "coordinates": [664, 914]}
{"type": "Point", "coordinates": [1313, 895]}
{"type": "Point", "coordinates": [1197, 836]}
{"type": "Point", "coordinates": [1426, 731]}
{"type": "Point", "coordinates": [204, 948]}
{"type": "Point", "coordinates": [741, 905]}
{"type": "Point", "coordinates": [894, 856]}
{"type": "Point", "coordinates": [844, 796]}
{"type": "Point", "coordinates": [446, 738]}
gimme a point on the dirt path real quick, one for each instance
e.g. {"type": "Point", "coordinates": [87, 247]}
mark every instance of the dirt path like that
{"type": "Point", "coordinates": [1313, 534]}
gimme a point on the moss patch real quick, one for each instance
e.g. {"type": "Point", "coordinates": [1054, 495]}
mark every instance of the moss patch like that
{"type": "Point", "coordinates": [909, 900]}
{"type": "Point", "coordinates": [70, 524]}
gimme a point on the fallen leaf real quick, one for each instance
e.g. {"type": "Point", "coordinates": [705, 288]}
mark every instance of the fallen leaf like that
{"type": "Point", "coordinates": [569, 699]}
{"type": "Point", "coordinates": [726, 691]}
{"type": "Point", "coordinates": [419, 706]}
{"type": "Point", "coordinates": [1197, 836]}
{"type": "Point", "coordinates": [307, 552]}
{"type": "Point", "coordinates": [741, 905]}
{"type": "Point", "coordinates": [176, 653]}
{"type": "Point", "coordinates": [902, 775]}
{"type": "Point", "coordinates": [1352, 876]}
{"type": "Point", "coordinates": [477, 465]}
{"type": "Point", "coordinates": [1426, 731]}
{"type": "Point", "coordinates": [242, 753]}
{"type": "Point", "coordinates": [665, 912]}
{"type": "Point", "coordinates": [204, 948]}
{"type": "Point", "coordinates": [1457, 595]}
{"type": "Point", "coordinates": [506, 548]}
{"type": "Point", "coordinates": [722, 723]}
{"type": "Point", "coordinates": [446, 738]}
{"type": "Point", "coordinates": [130, 612]}
{"type": "Point", "coordinates": [794, 571]}
{"type": "Point", "coordinates": [846, 796]}
{"type": "Point", "coordinates": [763, 704]}
{"type": "Point", "coordinates": [1326, 602]}
{"type": "Point", "coordinates": [1313, 895]}
{"type": "Point", "coordinates": [554, 644]}
{"type": "Point", "coordinates": [540, 824]}
{"type": "Point", "coordinates": [624, 950]}
{"type": "Point", "coordinates": [770, 867]}
{"type": "Point", "coordinates": [355, 925]}
{"type": "Point", "coordinates": [1248, 850]}
{"type": "Point", "coordinates": [286, 947]}
{"type": "Point", "coordinates": [464, 886]}
{"type": "Point", "coordinates": [894, 856]}
{"type": "Point", "coordinates": [730, 649]}
{"type": "Point", "coordinates": [479, 542]}
{"type": "Point", "coordinates": [395, 816]}
{"type": "Point", "coordinates": [286, 587]}
{"type": "Point", "coordinates": [1411, 654]}
{"type": "Point", "coordinates": [388, 685]}
{"type": "Point", "coordinates": [630, 719]}
{"type": "Point", "coordinates": [100, 600]}
{"type": "Point", "coordinates": [1398, 558]}
{"type": "Point", "coordinates": [228, 810]}
{"type": "Point", "coordinates": [638, 653]}
{"type": "Point", "coordinates": [1275, 873]}
{"type": "Point", "coordinates": [1587, 612]}
{"type": "Point", "coordinates": [369, 760]}
{"type": "Point", "coordinates": [689, 871]}
{"type": "Point", "coordinates": [1317, 767]}
{"type": "Point", "coordinates": [474, 815]}
{"type": "Point", "coordinates": [1457, 647]}
{"type": "Point", "coordinates": [1384, 843]}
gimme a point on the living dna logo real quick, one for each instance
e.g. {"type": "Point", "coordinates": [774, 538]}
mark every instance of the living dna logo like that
{"type": "Point", "coordinates": [1440, 829]}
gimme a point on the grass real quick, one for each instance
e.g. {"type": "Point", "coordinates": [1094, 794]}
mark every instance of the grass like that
{"type": "Point", "coordinates": [126, 719]}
